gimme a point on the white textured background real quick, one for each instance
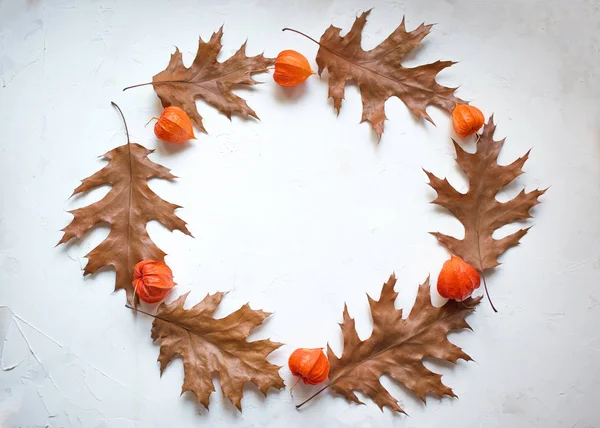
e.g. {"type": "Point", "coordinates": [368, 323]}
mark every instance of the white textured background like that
{"type": "Point", "coordinates": [299, 212]}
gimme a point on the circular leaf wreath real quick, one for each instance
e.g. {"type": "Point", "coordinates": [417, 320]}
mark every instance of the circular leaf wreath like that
{"type": "Point", "coordinates": [396, 346]}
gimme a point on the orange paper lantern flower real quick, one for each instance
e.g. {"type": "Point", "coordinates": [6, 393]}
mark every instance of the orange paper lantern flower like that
{"type": "Point", "coordinates": [291, 68]}
{"type": "Point", "coordinates": [152, 280]}
{"type": "Point", "coordinates": [174, 126]}
{"type": "Point", "coordinates": [466, 120]}
{"type": "Point", "coordinates": [311, 365]}
{"type": "Point", "coordinates": [457, 279]}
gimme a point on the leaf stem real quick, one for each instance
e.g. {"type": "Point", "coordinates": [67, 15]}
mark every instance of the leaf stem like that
{"type": "Point", "coordinates": [139, 310]}
{"type": "Point", "coordinates": [122, 117]}
{"type": "Point", "coordinates": [310, 38]}
{"type": "Point", "coordinates": [487, 293]}
{"type": "Point", "coordinates": [154, 83]}
{"type": "Point", "coordinates": [312, 396]}
{"type": "Point", "coordinates": [302, 34]}
{"type": "Point", "coordinates": [158, 317]}
{"type": "Point", "coordinates": [318, 43]}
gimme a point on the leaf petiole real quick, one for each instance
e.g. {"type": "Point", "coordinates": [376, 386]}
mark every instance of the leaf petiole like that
{"type": "Point", "coordinates": [155, 83]}
{"type": "Point", "coordinates": [310, 38]}
{"type": "Point", "coordinates": [122, 117]}
{"type": "Point", "coordinates": [302, 34]}
{"type": "Point", "coordinates": [141, 311]}
{"type": "Point", "coordinates": [486, 292]}
{"type": "Point", "coordinates": [312, 396]}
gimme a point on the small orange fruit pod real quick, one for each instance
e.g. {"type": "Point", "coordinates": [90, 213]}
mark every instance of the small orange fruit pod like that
{"type": "Point", "coordinates": [291, 68]}
{"type": "Point", "coordinates": [466, 120]}
{"type": "Point", "coordinates": [457, 279]}
{"type": "Point", "coordinates": [174, 126]}
{"type": "Point", "coordinates": [152, 280]}
{"type": "Point", "coordinates": [311, 365]}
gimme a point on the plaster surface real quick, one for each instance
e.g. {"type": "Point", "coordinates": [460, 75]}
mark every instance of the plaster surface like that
{"type": "Point", "coordinates": [299, 212]}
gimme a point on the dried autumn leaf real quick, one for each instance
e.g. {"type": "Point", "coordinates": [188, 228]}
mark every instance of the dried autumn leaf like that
{"type": "Point", "coordinates": [209, 80]}
{"type": "Point", "coordinates": [478, 210]}
{"type": "Point", "coordinates": [208, 345]}
{"type": "Point", "coordinates": [378, 72]}
{"type": "Point", "coordinates": [127, 208]}
{"type": "Point", "coordinates": [397, 348]}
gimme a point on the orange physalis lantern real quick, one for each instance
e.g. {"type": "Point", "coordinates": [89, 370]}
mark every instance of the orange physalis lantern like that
{"type": "Point", "coordinates": [152, 280]}
{"type": "Point", "coordinates": [311, 365]}
{"type": "Point", "coordinates": [174, 126]}
{"type": "Point", "coordinates": [457, 279]}
{"type": "Point", "coordinates": [291, 68]}
{"type": "Point", "coordinates": [466, 120]}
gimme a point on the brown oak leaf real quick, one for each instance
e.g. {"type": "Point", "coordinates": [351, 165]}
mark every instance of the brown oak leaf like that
{"type": "Point", "coordinates": [378, 72]}
{"type": "Point", "coordinates": [478, 210]}
{"type": "Point", "coordinates": [397, 348]}
{"type": "Point", "coordinates": [209, 80]}
{"type": "Point", "coordinates": [127, 208]}
{"type": "Point", "coordinates": [208, 345]}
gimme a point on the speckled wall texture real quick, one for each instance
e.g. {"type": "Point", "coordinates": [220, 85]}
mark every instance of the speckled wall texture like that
{"type": "Point", "coordinates": [297, 213]}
